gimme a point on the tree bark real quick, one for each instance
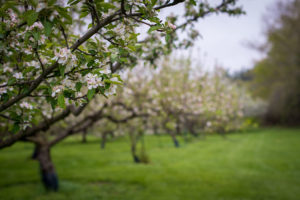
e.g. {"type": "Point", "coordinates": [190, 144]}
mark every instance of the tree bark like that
{"type": "Point", "coordinates": [133, 142]}
{"type": "Point", "coordinates": [176, 143]}
{"type": "Point", "coordinates": [35, 152]}
{"type": "Point", "coordinates": [103, 140]}
{"type": "Point", "coordinates": [47, 170]}
{"type": "Point", "coordinates": [136, 159]}
{"type": "Point", "coordinates": [84, 133]}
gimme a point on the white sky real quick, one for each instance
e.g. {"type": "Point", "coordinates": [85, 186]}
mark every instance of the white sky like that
{"type": "Point", "coordinates": [225, 38]}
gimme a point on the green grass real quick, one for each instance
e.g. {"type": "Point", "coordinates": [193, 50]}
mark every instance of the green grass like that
{"type": "Point", "coordinates": [258, 165]}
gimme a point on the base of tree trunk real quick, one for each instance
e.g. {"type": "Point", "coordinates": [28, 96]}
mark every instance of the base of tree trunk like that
{"type": "Point", "coordinates": [50, 180]}
{"type": "Point", "coordinates": [136, 159]}
{"type": "Point", "coordinates": [48, 174]}
{"type": "Point", "coordinates": [176, 143]}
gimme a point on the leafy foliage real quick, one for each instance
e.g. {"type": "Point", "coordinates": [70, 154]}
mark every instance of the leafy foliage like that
{"type": "Point", "coordinates": [277, 77]}
{"type": "Point", "coordinates": [51, 70]}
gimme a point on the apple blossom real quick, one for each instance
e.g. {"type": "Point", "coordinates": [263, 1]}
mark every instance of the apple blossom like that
{"type": "Point", "coordinates": [93, 81]}
{"type": "Point", "coordinates": [57, 89]}
{"type": "Point", "coordinates": [172, 26]}
{"type": "Point", "coordinates": [26, 105]}
{"type": "Point", "coordinates": [18, 75]}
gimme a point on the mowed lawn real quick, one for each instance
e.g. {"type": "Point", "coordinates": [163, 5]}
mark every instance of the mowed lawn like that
{"type": "Point", "coordinates": [257, 165]}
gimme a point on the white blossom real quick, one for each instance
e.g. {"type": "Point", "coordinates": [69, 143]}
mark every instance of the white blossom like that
{"type": "Point", "coordinates": [106, 70]}
{"type": "Point", "coordinates": [18, 75]}
{"type": "Point", "coordinates": [111, 91]}
{"type": "Point", "coordinates": [6, 68]}
{"type": "Point", "coordinates": [2, 91]}
{"type": "Point", "coordinates": [57, 89]}
{"type": "Point", "coordinates": [65, 57]}
{"type": "Point", "coordinates": [26, 105]}
{"type": "Point", "coordinates": [93, 81]}
{"type": "Point", "coordinates": [208, 124]}
{"type": "Point", "coordinates": [38, 25]}
{"type": "Point", "coordinates": [68, 83]}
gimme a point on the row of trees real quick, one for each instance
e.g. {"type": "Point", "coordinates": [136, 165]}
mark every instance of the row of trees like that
{"type": "Point", "coordinates": [173, 99]}
{"type": "Point", "coordinates": [50, 72]}
{"type": "Point", "coordinates": [177, 99]}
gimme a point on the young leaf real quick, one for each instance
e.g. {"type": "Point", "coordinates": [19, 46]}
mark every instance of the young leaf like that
{"type": "Point", "coordinates": [31, 16]}
{"type": "Point", "coordinates": [153, 28]}
{"type": "Point", "coordinates": [48, 27]}
{"type": "Point", "coordinates": [90, 94]}
{"type": "Point", "coordinates": [61, 101]}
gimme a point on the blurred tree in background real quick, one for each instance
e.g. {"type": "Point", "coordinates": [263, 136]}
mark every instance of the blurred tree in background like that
{"type": "Point", "coordinates": [277, 77]}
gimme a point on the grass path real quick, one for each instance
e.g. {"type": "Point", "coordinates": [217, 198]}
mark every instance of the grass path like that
{"type": "Point", "coordinates": [257, 165]}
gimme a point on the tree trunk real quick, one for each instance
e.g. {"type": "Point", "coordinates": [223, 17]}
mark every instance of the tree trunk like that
{"type": "Point", "coordinates": [103, 140]}
{"type": "Point", "coordinates": [136, 159]}
{"type": "Point", "coordinates": [35, 152]}
{"type": "Point", "coordinates": [176, 143]}
{"type": "Point", "coordinates": [133, 141]}
{"type": "Point", "coordinates": [84, 133]}
{"type": "Point", "coordinates": [222, 132]}
{"type": "Point", "coordinates": [47, 170]}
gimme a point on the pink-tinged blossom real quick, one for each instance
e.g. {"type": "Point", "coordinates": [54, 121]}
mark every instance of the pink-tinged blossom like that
{"type": "Point", "coordinates": [26, 105]}
{"type": "Point", "coordinates": [93, 81]}
{"type": "Point", "coordinates": [13, 18]}
{"type": "Point", "coordinates": [65, 57]}
{"type": "Point", "coordinates": [38, 25]}
{"type": "Point", "coordinates": [18, 75]}
{"type": "Point", "coordinates": [172, 26]}
{"type": "Point", "coordinates": [57, 89]}
{"type": "Point", "coordinates": [28, 50]}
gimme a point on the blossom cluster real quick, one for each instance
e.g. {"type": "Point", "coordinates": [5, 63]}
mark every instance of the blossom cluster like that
{"type": "Point", "coordinates": [37, 25]}
{"type": "Point", "coordinates": [13, 20]}
{"type": "Point", "coordinates": [57, 89]}
{"type": "Point", "coordinates": [26, 105]}
{"type": "Point", "coordinates": [64, 56]}
{"type": "Point", "coordinates": [93, 81]}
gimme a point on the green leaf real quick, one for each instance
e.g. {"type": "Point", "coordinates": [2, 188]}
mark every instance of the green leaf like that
{"type": "Point", "coordinates": [62, 70]}
{"type": "Point", "coordinates": [78, 86]}
{"type": "Point", "coordinates": [131, 47]}
{"type": "Point", "coordinates": [83, 14]}
{"type": "Point", "coordinates": [112, 82]}
{"type": "Point", "coordinates": [114, 57]}
{"type": "Point", "coordinates": [90, 94]}
{"type": "Point", "coordinates": [64, 13]}
{"type": "Point", "coordinates": [105, 6]}
{"type": "Point", "coordinates": [31, 16]}
{"type": "Point", "coordinates": [168, 37]}
{"type": "Point", "coordinates": [153, 2]}
{"type": "Point", "coordinates": [15, 128]}
{"type": "Point", "coordinates": [61, 101]}
{"type": "Point", "coordinates": [153, 28]}
{"type": "Point", "coordinates": [48, 27]}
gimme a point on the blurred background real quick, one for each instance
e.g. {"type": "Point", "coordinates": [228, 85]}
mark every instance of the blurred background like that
{"type": "Point", "coordinates": [219, 120]}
